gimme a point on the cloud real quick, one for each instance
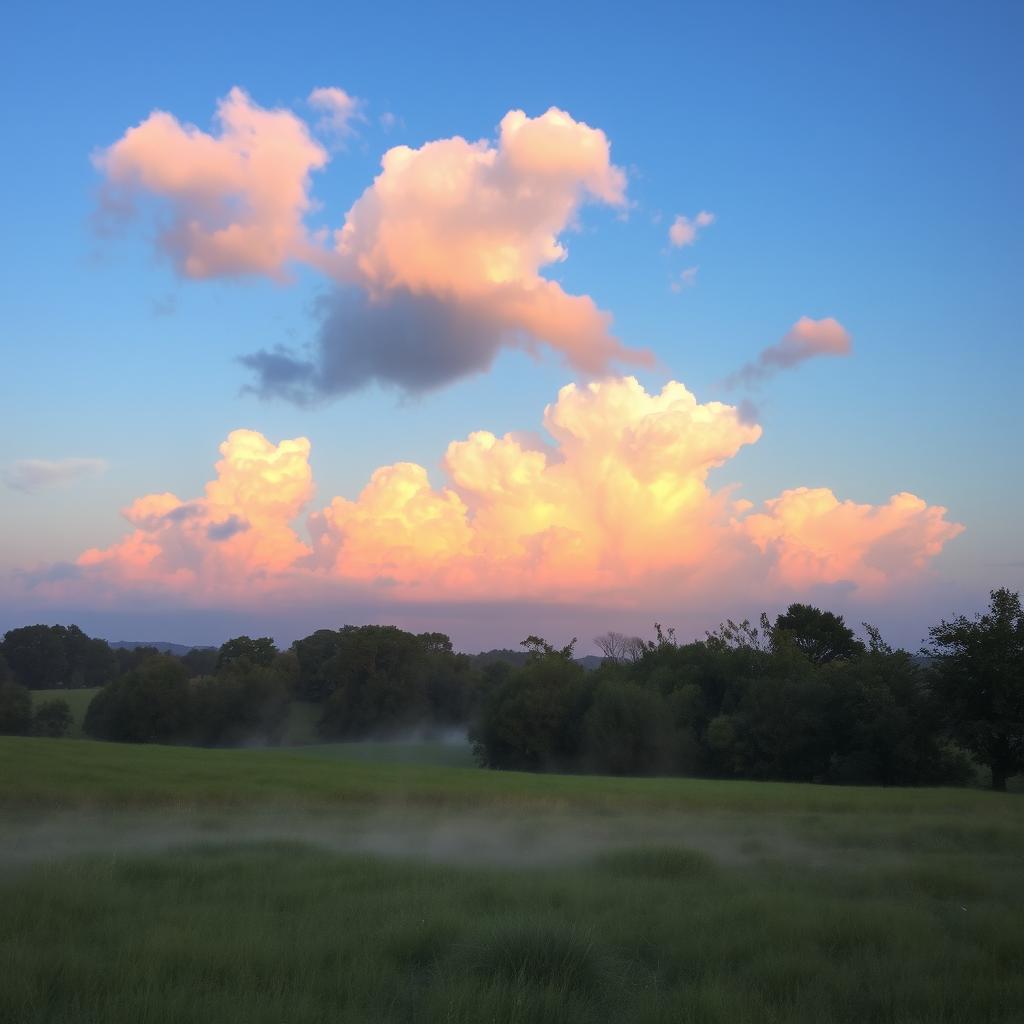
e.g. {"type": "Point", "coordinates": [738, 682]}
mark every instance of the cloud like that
{"type": "Point", "coordinates": [683, 231]}
{"type": "Point", "coordinates": [618, 508]}
{"type": "Point", "coordinates": [338, 110]}
{"type": "Point", "coordinates": [30, 475]}
{"type": "Point", "coordinates": [235, 200]}
{"type": "Point", "coordinates": [464, 225]}
{"type": "Point", "coordinates": [805, 340]}
{"type": "Point", "coordinates": [686, 279]}
{"type": "Point", "coordinates": [239, 535]}
{"type": "Point", "coordinates": [414, 342]}
{"type": "Point", "coordinates": [471, 224]}
{"type": "Point", "coordinates": [814, 538]}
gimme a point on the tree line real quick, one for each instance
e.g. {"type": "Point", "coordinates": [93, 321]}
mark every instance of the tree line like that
{"type": "Point", "coordinates": [801, 698]}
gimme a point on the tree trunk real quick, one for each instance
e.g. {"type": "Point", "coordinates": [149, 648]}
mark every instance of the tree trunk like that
{"type": "Point", "coordinates": [998, 779]}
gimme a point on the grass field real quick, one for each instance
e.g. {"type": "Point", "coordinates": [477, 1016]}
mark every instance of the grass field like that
{"type": "Point", "coordinates": [357, 883]}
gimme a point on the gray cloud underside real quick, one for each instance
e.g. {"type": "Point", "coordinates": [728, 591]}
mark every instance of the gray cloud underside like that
{"type": "Point", "coordinates": [413, 342]}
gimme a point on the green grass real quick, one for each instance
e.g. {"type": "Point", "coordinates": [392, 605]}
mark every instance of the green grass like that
{"type": "Point", "coordinates": [159, 885]}
{"type": "Point", "coordinates": [77, 701]}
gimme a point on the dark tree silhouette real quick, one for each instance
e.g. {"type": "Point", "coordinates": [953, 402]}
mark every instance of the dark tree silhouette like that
{"type": "Point", "coordinates": [821, 636]}
{"type": "Point", "coordinates": [978, 678]}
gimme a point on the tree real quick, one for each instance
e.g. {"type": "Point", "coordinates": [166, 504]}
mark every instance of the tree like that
{"type": "Point", "coordinates": [36, 656]}
{"type": "Point", "coordinates": [978, 678]}
{"type": "Point", "coordinates": [260, 651]}
{"type": "Point", "coordinates": [150, 704]}
{"type": "Point", "coordinates": [821, 636]}
{"type": "Point", "coordinates": [618, 647]}
{"type": "Point", "coordinates": [44, 657]}
{"type": "Point", "coordinates": [628, 731]}
{"type": "Point", "coordinates": [244, 702]}
{"type": "Point", "coordinates": [15, 709]}
{"type": "Point", "coordinates": [534, 718]}
{"type": "Point", "coordinates": [52, 718]}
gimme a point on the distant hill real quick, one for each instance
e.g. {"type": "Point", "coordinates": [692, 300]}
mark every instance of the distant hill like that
{"type": "Point", "coordinates": [161, 645]}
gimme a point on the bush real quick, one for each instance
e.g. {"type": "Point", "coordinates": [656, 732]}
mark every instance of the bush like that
{"type": "Point", "coordinates": [147, 705]}
{"type": "Point", "coordinates": [52, 718]}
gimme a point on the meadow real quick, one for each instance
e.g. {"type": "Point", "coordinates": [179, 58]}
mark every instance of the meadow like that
{"type": "Point", "coordinates": [392, 883]}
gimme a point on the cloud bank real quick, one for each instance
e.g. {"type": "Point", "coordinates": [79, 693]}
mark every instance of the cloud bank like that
{"type": "Point", "coordinates": [617, 509]}
{"type": "Point", "coordinates": [454, 234]}
{"type": "Point", "coordinates": [31, 475]}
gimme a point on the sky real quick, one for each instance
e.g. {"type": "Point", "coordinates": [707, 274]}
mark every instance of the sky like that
{"type": "Point", "coordinates": [506, 319]}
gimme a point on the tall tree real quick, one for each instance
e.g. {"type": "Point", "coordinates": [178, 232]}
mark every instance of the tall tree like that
{"type": "Point", "coordinates": [260, 651]}
{"type": "Point", "coordinates": [978, 678]}
{"type": "Point", "coordinates": [822, 636]}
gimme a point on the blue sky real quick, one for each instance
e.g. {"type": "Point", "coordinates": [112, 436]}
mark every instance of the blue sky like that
{"type": "Point", "coordinates": [863, 162]}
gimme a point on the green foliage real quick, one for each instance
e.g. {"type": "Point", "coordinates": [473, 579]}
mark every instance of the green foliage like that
{"type": "Point", "coordinates": [628, 731]}
{"type": "Point", "coordinates": [200, 661]}
{"type": "Point", "coordinates": [245, 702]}
{"type": "Point", "coordinates": [42, 657]}
{"type": "Point", "coordinates": [978, 679]}
{"type": "Point", "coordinates": [52, 718]}
{"type": "Point", "coordinates": [821, 636]}
{"type": "Point", "coordinates": [534, 718]}
{"type": "Point", "coordinates": [150, 704]}
{"type": "Point", "coordinates": [800, 701]}
{"type": "Point", "coordinates": [381, 680]}
{"type": "Point", "coordinates": [15, 709]}
{"type": "Point", "coordinates": [261, 651]}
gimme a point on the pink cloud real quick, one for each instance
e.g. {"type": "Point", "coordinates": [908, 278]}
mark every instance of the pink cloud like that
{"type": "Point", "coordinates": [474, 223]}
{"type": "Point", "coordinates": [683, 231]}
{"type": "Point", "coordinates": [446, 247]}
{"type": "Point", "coordinates": [236, 199]}
{"type": "Point", "coordinates": [806, 339]}
{"type": "Point", "coordinates": [619, 509]}
{"type": "Point", "coordinates": [338, 111]}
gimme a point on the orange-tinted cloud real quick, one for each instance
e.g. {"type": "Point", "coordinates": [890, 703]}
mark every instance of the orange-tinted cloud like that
{"type": "Point", "coordinates": [454, 234]}
{"type": "Point", "coordinates": [239, 535]}
{"type": "Point", "coordinates": [474, 223]}
{"type": "Point", "coordinates": [813, 537]}
{"type": "Point", "coordinates": [806, 339]}
{"type": "Point", "coordinates": [237, 199]}
{"type": "Point", "coordinates": [618, 508]}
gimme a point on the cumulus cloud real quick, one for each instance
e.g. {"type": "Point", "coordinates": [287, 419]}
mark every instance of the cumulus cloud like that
{"type": "Point", "coordinates": [806, 339]}
{"type": "Point", "coordinates": [239, 535]}
{"type": "Point", "coordinates": [468, 226]}
{"type": "Point", "coordinates": [234, 201]}
{"type": "Point", "coordinates": [683, 231]}
{"type": "Point", "coordinates": [618, 507]}
{"type": "Point", "coordinates": [813, 537]}
{"type": "Point", "coordinates": [338, 111]}
{"type": "Point", "coordinates": [471, 224]}
{"type": "Point", "coordinates": [30, 475]}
